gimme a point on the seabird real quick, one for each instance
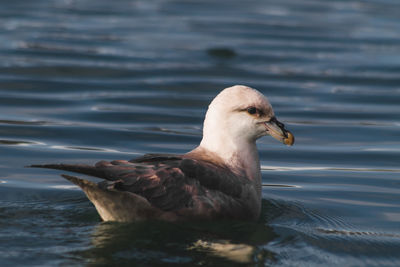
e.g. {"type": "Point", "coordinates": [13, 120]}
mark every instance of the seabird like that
{"type": "Point", "coordinates": [219, 179]}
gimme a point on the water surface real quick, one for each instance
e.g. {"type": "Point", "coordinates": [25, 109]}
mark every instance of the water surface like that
{"type": "Point", "coordinates": [82, 81]}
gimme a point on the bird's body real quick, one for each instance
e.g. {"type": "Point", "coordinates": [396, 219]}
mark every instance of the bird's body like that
{"type": "Point", "coordinates": [220, 179]}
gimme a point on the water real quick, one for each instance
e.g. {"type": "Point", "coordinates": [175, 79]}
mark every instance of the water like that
{"type": "Point", "coordinates": [82, 81]}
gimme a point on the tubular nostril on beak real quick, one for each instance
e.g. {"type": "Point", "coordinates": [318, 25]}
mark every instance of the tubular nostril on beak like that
{"type": "Point", "coordinates": [278, 123]}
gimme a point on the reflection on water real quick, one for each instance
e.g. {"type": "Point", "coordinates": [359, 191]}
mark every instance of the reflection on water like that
{"type": "Point", "coordinates": [241, 253]}
{"type": "Point", "coordinates": [83, 81]}
{"type": "Point", "coordinates": [160, 242]}
{"type": "Point", "coordinates": [19, 143]}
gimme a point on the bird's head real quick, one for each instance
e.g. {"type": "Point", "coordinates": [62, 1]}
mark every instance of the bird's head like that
{"type": "Point", "coordinates": [240, 113]}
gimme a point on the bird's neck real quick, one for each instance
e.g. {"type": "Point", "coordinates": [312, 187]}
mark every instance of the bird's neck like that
{"type": "Point", "coordinates": [234, 153]}
{"type": "Point", "coordinates": [239, 155]}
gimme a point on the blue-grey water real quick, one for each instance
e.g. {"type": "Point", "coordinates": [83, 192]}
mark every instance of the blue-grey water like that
{"type": "Point", "coordinates": [82, 81]}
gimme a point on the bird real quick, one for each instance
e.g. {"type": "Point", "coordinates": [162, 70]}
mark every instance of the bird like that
{"type": "Point", "coordinates": [220, 179]}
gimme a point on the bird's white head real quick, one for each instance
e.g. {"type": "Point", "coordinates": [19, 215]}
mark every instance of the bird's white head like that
{"type": "Point", "coordinates": [236, 118]}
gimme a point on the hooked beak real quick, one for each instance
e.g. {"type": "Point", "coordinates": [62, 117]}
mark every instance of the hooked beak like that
{"type": "Point", "coordinates": [277, 130]}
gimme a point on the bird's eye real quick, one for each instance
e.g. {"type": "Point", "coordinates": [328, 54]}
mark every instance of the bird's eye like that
{"type": "Point", "coordinates": [252, 110]}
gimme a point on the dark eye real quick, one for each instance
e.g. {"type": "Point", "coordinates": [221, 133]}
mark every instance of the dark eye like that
{"type": "Point", "coordinates": [252, 110]}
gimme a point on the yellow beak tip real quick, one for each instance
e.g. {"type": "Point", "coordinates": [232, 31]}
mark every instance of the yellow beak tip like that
{"type": "Point", "coordinates": [289, 140]}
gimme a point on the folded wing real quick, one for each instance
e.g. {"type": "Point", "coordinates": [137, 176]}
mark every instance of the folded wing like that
{"type": "Point", "coordinates": [174, 187]}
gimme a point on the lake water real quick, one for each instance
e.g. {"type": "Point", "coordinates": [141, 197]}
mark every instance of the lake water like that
{"type": "Point", "coordinates": [82, 81]}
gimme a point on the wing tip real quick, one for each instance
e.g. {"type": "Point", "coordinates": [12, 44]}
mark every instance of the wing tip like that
{"type": "Point", "coordinates": [55, 166]}
{"type": "Point", "coordinates": [39, 165]}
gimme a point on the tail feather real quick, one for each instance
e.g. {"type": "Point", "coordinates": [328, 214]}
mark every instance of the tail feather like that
{"type": "Point", "coordinates": [78, 168]}
{"type": "Point", "coordinates": [82, 183]}
{"type": "Point", "coordinates": [113, 205]}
